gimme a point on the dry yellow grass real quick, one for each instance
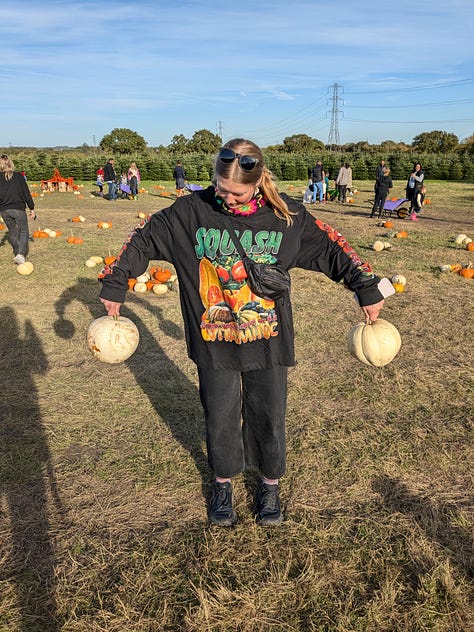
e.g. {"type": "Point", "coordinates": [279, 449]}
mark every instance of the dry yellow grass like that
{"type": "Point", "coordinates": [103, 469]}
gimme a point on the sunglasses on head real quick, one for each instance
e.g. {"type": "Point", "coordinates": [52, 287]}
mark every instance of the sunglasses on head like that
{"type": "Point", "coordinates": [246, 162]}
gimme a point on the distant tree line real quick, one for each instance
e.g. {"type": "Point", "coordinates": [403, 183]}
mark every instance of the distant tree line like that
{"type": "Point", "coordinates": [443, 157]}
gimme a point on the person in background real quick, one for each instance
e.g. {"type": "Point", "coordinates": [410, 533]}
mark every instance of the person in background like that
{"type": "Point", "coordinates": [15, 196]}
{"type": "Point", "coordinates": [111, 178]}
{"type": "Point", "coordinates": [179, 175]}
{"type": "Point", "coordinates": [23, 173]}
{"type": "Point", "coordinates": [317, 178]}
{"type": "Point", "coordinates": [418, 204]}
{"type": "Point", "coordinates": [382, 187]}
{"type": "Point", "coordinates": [379, 172]}
{"type": "Point", "coordinates": [242, 343]}
{"type": "Point", "coordinates": [133, 180]}
{"type": "Point", "coordinates": [99, 174]}
{"type": "Point", "coordinates": [343, 181]}
{"type": "Point", "coordinates": [414, 184]}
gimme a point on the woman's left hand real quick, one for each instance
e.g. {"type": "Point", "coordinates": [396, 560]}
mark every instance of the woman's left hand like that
{"type": "Point", "coordinates": [372, 311]}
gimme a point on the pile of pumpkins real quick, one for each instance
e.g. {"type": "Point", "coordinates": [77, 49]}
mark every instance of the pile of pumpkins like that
{"type": "Point", "coordinates": [157, 280]}
{"type": "Point", "coordinates": [463, 241]}
{"type": "Point", "coordinates": [77, 219]}
{"type": "Point", "coordinates": [42, 233]}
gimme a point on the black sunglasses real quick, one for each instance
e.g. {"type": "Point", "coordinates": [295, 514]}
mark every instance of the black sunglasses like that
{"type": "Point", "coordinates": [246, 162]}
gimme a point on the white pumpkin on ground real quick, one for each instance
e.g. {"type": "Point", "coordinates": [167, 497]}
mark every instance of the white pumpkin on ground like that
{"type": "Point", "coordinates": [374, 344]}
{"type": "Point", "coordinates": [459, 239]}
{"type": "Point", "coordinates": [97, 259]}
{"type": "Point", "coordinates": [399, 278]}
{"type": "Point", "coordinates": [90, 263]}
{"type": "Point", "coordinates": [25, 269]}
{"type": "Point", "coordinates": [466, 240]}
{"type": "Point", "coordinates": [112, 339]}
{"type": "Point", "coordinates": [377, 246]}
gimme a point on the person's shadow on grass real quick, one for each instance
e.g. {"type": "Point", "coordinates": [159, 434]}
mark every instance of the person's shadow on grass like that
{"type": "Point", "coordinates": [25, 470]}
{"type": "Point", "coordinates": [436, 521]}
{"type": "Point", "coordinates": [173, 396]}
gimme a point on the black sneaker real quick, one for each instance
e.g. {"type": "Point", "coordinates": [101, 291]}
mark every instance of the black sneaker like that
{"type": "Point", "coordinates": [269, 510]}
{"type": "Point", "coordinates": [221, 512]}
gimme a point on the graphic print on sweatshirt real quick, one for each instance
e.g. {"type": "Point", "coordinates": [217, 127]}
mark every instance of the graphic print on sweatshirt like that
{"type": "Point", "coordinates": [232, 312]}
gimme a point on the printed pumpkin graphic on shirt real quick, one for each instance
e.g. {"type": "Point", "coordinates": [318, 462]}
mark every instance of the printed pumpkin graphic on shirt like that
{"type": "Point", "coordinates": [232, 312]}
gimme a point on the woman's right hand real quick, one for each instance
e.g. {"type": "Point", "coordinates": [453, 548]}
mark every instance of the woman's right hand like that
{"type": "Point", "coordinates": [113, 308]}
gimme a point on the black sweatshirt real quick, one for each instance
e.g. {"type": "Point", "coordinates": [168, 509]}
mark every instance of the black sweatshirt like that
{"type": "Point", "coordinates": [14, 193]}
{"type": "Point", "coordinates": [226, 326]}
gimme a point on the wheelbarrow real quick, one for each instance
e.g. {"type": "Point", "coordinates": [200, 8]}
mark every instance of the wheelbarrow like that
{"type": "Point", "coordinates": [395, 206]}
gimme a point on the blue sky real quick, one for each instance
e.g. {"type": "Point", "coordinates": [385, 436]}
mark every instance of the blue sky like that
{"type": "Point", "coordinates": [73, 71]}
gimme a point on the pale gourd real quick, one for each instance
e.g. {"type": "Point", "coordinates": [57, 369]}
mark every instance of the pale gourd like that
{"type": "Point", "coordinates": [25, 268]}
{"type": "Point", "coordinates": [97, 259]}
{"type": "Point", "coordinates": [112, 339]}
{"type": "Point", "coordinates": [159, 288]}
{"type": "Point", "coordinates": [466, 240]}
{"type": "Point", "coordinates": [143, 278]}
{"type": "Point", "coordinates": [386, 245]}
{"type": "Point", "coordinates": [140, 287]}
{"type": "Point", "coordinates": [375, 344]}
{"type": "Point", "coordinates": [90, 263]}
{"type": "Point", "coordinates": [399, 278]}
{"type": "Point", "coordinates": [459, 239]}
{"type": "Point", "coordinates": [378, 246]}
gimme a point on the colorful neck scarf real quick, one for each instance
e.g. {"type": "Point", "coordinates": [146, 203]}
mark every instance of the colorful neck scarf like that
{"type": "Point", "coordinates": [246, 209]}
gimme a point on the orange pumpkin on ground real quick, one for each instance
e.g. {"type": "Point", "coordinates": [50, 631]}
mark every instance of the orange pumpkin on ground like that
{"type": "Point", "coordinates": [470, 246]}
{"type": "Point", "coordinates": [40, 234]}
{"type": "Point", "coordinates": [388, 224]}
{"type": "Point", "coordinates": [131, 283]}
{"type": "Point", "coordinates": [402, 234]}
{"type": "Point", "coordinates": [467, 273]}
{"type": "Point", "coordinates": [77, 241]}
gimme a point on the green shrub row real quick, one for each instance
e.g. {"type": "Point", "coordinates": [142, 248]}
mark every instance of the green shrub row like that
{"type": "Point", "coordinates": [39, 165]}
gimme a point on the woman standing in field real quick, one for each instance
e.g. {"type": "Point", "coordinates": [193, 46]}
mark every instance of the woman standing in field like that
{"type": "Point", "coordinates": [134, 180]}
{"type": "Point", "coordinates": [15, 196]}
{"type": "Point", "coordinates": [241, 341]}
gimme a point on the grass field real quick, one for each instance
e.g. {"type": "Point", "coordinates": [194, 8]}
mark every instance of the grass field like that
{"type": "Point", "coordinates": [103, 469]}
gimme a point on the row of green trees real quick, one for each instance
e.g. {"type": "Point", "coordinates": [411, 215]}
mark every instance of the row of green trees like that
{"type": "Point", "coordinates": [39, 165]}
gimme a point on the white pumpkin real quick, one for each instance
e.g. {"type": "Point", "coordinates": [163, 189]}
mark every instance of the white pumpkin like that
{"type": "Point", "coordinates": [143, 278]}
{"type": "Point", "coordinates": [459, 239]}
{"type": "Point", "coordinates": [25, 268]}
{"type": "Point", "coordinates": [386, 245]}
{"type": "Point", "coordinates": [90, 263]}
{"type": "Point", "coordinates": [141, 215]}
{"type": "Point", "coordinates": [466, 240]}
{"type": "Point", "coordinates": [399, 278]}
{"type": "Point", "coordinates": [159, 288]}
{"type": "Point", "coordinates": [82, 218]}
{"type": "Point", "coordinates": [52, 233]}
{"type": "Point", "coordinates": [377, 246]}
{"type": "Point", "coordinates": [445, 268]}
{"type": "Point", "coordinates": [375, 344]}
{"type": "Point", "coordinates": [140, 287]}
{"type": "Point", "coordinates": [97, 259]}
{"type": "Point", "coordinates": [112, 339]}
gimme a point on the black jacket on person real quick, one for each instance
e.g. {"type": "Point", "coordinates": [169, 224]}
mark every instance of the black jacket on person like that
{"type": "Point", "coordinates": [14, 193]}
{"type": "Point", "coordinates": [109, 173]}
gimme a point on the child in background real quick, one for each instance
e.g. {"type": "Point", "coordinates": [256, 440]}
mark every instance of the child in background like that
{"type": "Point", "coordinates": [418, 202]}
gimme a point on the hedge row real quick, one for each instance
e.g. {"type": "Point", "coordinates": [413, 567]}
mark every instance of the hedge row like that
{"type": "Point", "coordinates": [286, 167]}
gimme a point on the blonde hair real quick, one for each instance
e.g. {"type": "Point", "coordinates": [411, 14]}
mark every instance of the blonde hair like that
{"type": "Point", "coordinates": [6, 166]}
{"type": "Point", "coordinates": [260, 175]}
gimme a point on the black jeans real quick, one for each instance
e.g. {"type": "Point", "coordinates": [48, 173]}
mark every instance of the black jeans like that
{"type": "Point", "coordinates": [18, 233]}
{"type": "Point", "coordinates": [259, 397]}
